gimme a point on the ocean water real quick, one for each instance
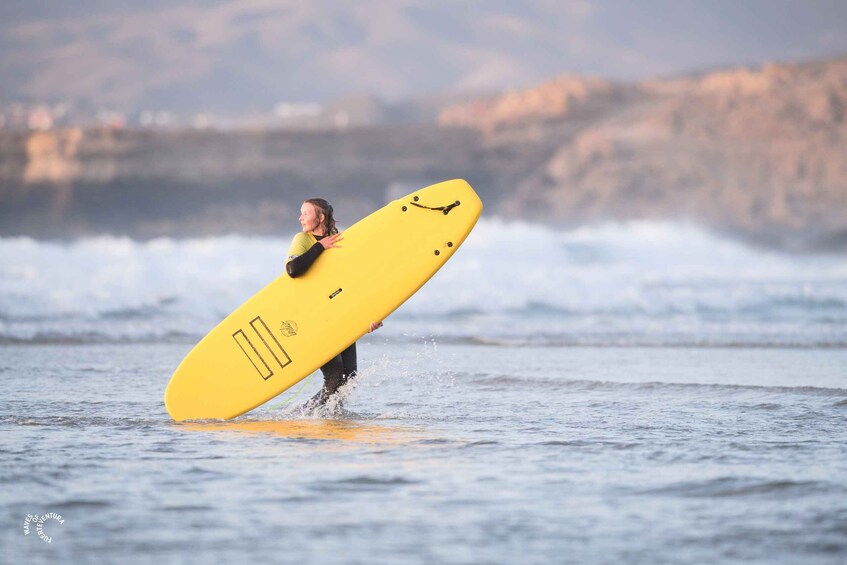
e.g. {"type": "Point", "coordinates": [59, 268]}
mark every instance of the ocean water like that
{"type": "Point", "coordinates": [637, 393]}
{"type": "Point", "coordinates": [655, 284]}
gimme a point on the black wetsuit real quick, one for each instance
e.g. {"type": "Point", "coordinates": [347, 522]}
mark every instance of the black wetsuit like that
{"type": "Point", "coordinates": [341, 368]}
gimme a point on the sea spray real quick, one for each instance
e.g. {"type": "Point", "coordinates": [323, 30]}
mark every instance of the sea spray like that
{"type": "Point", "coordinates": [636, 283]}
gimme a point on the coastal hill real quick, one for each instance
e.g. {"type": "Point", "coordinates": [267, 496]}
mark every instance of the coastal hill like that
{"type": "Point", "coordinates": [762, 152]}
{"type": "Point", "coordinates": [759, 153]}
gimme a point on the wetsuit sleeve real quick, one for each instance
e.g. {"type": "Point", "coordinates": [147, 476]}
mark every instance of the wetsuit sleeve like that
{"type": "Point", "coordinates": [298, 265]}
{"type": "Point", "coordinates": [299, 245]}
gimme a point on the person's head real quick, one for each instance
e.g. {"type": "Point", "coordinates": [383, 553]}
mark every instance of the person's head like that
{"type": "Point", "coordinates": [316, 217]}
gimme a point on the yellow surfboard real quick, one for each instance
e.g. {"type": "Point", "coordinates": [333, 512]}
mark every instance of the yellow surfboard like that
{"type": "Point", "coordinates": [292, 327]}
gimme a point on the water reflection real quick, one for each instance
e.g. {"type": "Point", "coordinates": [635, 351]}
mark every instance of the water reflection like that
{"type": "Point", "coordinates": [340, 430]}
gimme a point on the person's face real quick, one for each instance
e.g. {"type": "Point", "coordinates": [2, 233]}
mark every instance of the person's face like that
{"type": "Point", "coordinates": [309, 218]}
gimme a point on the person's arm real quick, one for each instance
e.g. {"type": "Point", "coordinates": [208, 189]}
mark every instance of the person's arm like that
{"type": "Point", "coordinates": [298, 265]}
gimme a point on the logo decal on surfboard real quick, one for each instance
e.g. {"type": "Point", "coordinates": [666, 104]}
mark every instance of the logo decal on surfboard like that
{"type": "Point", "coordinates": [269, 345]}
{"type": "Point", "coordinates": [288, 328]}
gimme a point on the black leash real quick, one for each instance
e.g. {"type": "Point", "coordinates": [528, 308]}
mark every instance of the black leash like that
{"type": "Point", "coordinates": [445, 209]}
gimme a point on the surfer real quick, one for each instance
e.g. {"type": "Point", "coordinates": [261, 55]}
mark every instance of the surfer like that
{"type": "Point", "coordinates": [319, 234]}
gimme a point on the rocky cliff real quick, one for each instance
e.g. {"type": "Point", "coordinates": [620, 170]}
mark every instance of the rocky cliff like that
{"type": "Point", "coordinates": [757, 152]}
{"type": "Point", "coordinates": [185, 183]}
{"type": "Point", "coordinates": [760, 152]}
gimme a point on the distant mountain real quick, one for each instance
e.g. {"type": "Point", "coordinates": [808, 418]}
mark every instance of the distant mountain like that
{"type": "Point", "coordinates": [249, 55]}
{"type": "Point", "coordinates": [756, 152]}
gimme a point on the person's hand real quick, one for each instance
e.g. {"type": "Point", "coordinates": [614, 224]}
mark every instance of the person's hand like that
{"type": "Point", "coordinates": [331, 240]}
{"type": "Point", "coordinates": [374, 326]}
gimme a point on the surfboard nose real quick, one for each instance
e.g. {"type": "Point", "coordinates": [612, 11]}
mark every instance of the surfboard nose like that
{"type": "Point", "coordinates": [444, 197]}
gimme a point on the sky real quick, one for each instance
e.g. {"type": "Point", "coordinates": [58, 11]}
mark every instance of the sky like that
{"type": "Point", "coordinates": [248, 55]}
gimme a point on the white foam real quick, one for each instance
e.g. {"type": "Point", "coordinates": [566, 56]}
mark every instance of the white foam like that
{"type": "Point", "coordinates": [647, 278]}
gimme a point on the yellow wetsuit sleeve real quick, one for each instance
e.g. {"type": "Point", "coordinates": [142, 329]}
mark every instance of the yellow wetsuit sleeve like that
{"type": "Point", "coordinates": [300, 244]}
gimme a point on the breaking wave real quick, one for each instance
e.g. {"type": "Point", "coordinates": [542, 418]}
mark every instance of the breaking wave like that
{"type": "Point", "coordinates": [653, 283]}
